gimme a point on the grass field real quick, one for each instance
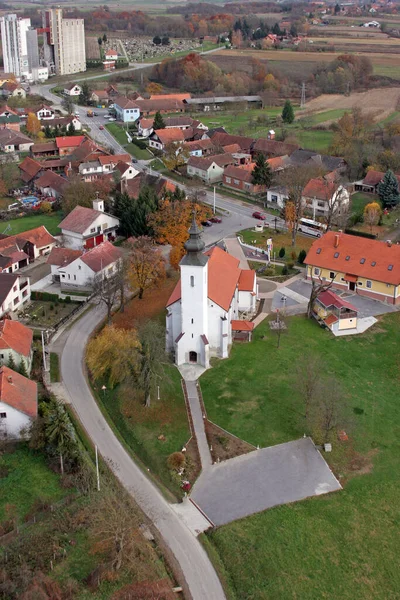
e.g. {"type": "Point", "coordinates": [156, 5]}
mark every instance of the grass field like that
{"type": "Point", "coordinates": [343, 545]}
{"type": "Point", "coordinates": [30, 222]}
{"type": "Point", "coordinates": [360, 199]}
{"type": "Point", "coordinates": [119, 133]}
{"type": "Point", "coordinates": [280, 240]}
{"type": "Point", "coordinates": [28, 480]}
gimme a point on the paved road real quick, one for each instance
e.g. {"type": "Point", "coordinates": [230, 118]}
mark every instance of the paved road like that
{"type": "Point", "coordinates": [197, 569]}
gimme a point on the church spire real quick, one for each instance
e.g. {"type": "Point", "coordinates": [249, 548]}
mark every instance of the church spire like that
{"type": "Point", "coordinates": [194, 246]}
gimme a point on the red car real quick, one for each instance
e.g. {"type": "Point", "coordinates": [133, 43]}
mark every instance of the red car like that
{"type": "Point", "coordinates": [216, 220]}
{"type": "Point", "coordinates": [259, 216]}
{"type": "Point", "coordinates": [101, 127]}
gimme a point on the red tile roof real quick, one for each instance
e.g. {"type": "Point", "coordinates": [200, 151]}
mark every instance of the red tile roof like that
{"type": "Point", "coordinates": [113, 159]}
{"type": "Point", "coordinates": [101, 256]}
{"type": "Point", "coordinates": [61, 257]}
{"type": "Point", "coordinates": [329, 298]}
{"type": "Point", "coordinates": [278, 162]}
{"type": "Point", "coordinates": [239, 325]}
{"type": "Point", "coordinates": [222, 160]}
{"type": "Point", "coordinates": [44, 147]}
{"type": "Point", "coordinates": [239, 173]}
{"type": "Point", "coordinates": [29, 168]}
{"type": "Point", "coordinates": [166, 136]}
{"type": "Point", "coordinates": [330, 319]}
{"type": "Point", "coordinates": [246, 280]}
{"type": "Point", "coordinates": [79, 219]}
{"type": "Point", "coordinates": [70, 141]}
{"type": "Point", "coordinates": [18, 391]}
{"type": "Point", "coordinates": [171, 97]}
{"type": "Point", "coordinates": [15, 336]}
{"type": "Point", "coordinates": [38, 236]}
{"type": "Point", "coordinates": [49, 179]}
{"type": "Point", "coordinates": [273, 147]}
{"type": "Point", "coordinates": [357, 256]}
{"type": "Point", "coordinates": [232, 148]}
{"type": "Point", "coordinates": [124, 102]}
{"type": "Point", "coordinates": [146, 123]}
{"type": "Point", "coordinates": [320, 188]}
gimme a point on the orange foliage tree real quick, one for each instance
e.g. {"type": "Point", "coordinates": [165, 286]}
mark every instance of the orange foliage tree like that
{"type": "Point", "coordinates": [32, 124]}
{"type": "Point", "coordinates": [171, 224]}
{"type": "Point", "coordinates": [154, 88]}
{"type": "Point", "coordinates": [146, 265]}
{"type": "Point", "coordinates": [372, 214]}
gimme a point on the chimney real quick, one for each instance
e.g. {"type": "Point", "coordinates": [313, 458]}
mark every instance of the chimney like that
{"type": "Point", "coordinates": [9, 378]}
{"type": "Point", "coordinates": [98, 204]}
{"type": "Point", "coordinates": [337, 238]}
{"type": "Point", "coordinates": [388, 243]}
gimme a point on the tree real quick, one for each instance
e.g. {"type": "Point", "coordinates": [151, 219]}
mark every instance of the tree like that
{"type": "Point", "coordinates": [153, 358]}
{"type": "Point", "coordinates": [308, 376]}
{"type": "Point", "coordinates": [337, 9]}
{"type": "Point", "coordinates": [106, 291]}
{"type": "Point", "coordinates": [174, 156]}
{"type": "Point", "coordinates": [372, 214]}
{"type": "Point", "coordinates": [86, 94]}
{"type": "Point", "coordinates": [68, 104]}
{"type": "Point", "coordinates": [99, 41]}
{"type": "Point", "coordinates": [295, 179]}
{"type": "Point", "coordinates": [158, 122]}
{"type": "Point", "coordinates": [317, 287]}
{"type": "Point", "coordinates": [165, 40]}
{"type": "Point", "coordinates": [59, 431]}
{"type": "Point", "coordinates": [288, 112]}
{"type": "Point", "coordinates": [154, 88]}
{"type": "Point", "coordinates": [22, 368]}
{"type": "Point", "coordinates": [71, 129]}
{"type": "Point", "coordinates": [114, 354]}
{"type": "Point", "coordinates": [146, 264]}
{"type": "Point", "coordinates": [302, 256]}
{"type": "Point", "coordinates": [282, 252]}
{"type": "Point", "coordinates": [388, 190]}
{"type": "Point", "coordinates": [104, 38]}
{"type": "Point", "coordinates": [48, 132]}
{"type": "Point", "coordinates": [11, 363]}
{"type": "Point", "coordinates": [133, 214]}
{"type": "Point", "coordinates": [33, 124]}
{"type": "Point", "coordinates": [261, 174]}
{"type": "Point", "coordinates": [77, 192]}
{"type": "Point", "coordinates": [157, 40]}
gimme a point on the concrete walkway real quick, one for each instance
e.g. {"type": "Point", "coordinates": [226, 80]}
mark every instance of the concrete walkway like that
{"type": "Point", "coordinates": [198, 424]}
{"type": "Point", "coordinates": [235, 249]}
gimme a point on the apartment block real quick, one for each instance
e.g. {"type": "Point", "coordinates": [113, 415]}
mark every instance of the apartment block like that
{"type": "Point", "coordinates": [14, 43]}
{"type": "Point", "coordinates": [64, 43]}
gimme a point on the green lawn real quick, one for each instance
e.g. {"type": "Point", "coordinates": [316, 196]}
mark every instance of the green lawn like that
{"type": "Point", "coordinates": [343, 545]}
{"type": "Point", "coordinates": [26, 479]}
{"type": "Point", "coordinates": [140, 426]}
{"type": "Point", "coordinates": [120, 135]}
{"type": "Point", "coordinates": [279, 240]}
{"type": "Point", "coordinates": [30, 222]}
{"type": "Point", "coordinates": [54, 367]}
{"type": "Point", "coordinates": [360, 199]}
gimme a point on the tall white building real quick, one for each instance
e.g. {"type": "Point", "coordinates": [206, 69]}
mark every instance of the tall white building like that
{"type": "Point", "coordinates": [64, 42]}
{"type": "Point", "coordinates": [14, 44]}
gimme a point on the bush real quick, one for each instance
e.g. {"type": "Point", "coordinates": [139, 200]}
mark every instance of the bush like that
{"type": "Point", "coordinates": [302, 256]}
{"type": "Point", "coordinates": [290, 265]}
{"type": "Point", "coordinates": [370, 236]}
{"type": "Point", "coordinates": [139, 143]}
{"type": "Point", "coordinates": [46, 296]}
{"type": "Point", "coordinates": [176, 461]}
{"type": "Point", "coordinates": [293, 255]}
{"type": "Point", "coordinates": [282, 252]}
{"type": "Point", "coordinates": [285, 270]}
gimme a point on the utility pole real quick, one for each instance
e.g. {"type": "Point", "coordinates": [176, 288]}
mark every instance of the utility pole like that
{"type": "Point", "coordinates": [303, 95]}
{"type": "Point", "coordinates": [44, 352]}
{"type": "Point", "coordinates": [97, 469]}
{"type": "Point", "coordinates": [214, 201]}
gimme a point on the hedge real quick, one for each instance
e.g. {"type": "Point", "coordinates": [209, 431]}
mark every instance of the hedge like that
{"type": "Point", "coordinates": [370, 236]}
{"type": "Point", "coordinates": [47, 297]}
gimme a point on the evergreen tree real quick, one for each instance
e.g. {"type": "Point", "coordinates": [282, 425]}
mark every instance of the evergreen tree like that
{"type": "Point", "coordinates": [337, 9]}
{"type": "Point", "coordinates": [104, 38]}
{"type": "Point", "coordinates": [71, 129]}
{"type": "Point", "coordinates": [11, 363]}
{"type": "Point", "coordinates": [159, 122]}
{"type": "Point", "coordinates": [47, 131]}
{"type": "Point", "coordinates": [22, 368]}
{"type": "Point", "coordinates": [261, 174]}
{"type": "Point", "coordinates": [288, 112]}
{"type": "Point", "coordinates": [85, 95]}
{"type": "Point", "coordinates": [157, 40]}
{"type": "Point", "coordinates": [133, 213]}
{"type": "Point", "coordinates": [388, 190]}
{"type": "Point", "coordinates": [99, 41]}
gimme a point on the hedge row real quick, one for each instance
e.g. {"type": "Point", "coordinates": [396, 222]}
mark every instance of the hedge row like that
{"type": "Point", "coordinates": [370, 236]}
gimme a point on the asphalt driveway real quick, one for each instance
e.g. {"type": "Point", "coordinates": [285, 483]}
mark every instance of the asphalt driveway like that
{"type": "Point", "coordinates": [262, 479]}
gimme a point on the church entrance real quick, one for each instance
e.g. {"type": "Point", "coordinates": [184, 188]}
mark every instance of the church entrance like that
{"type": "Point", "coordinates": [192, 357]}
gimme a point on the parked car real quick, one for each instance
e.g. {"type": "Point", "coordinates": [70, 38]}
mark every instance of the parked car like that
{"type": "Point", "coordinates": [259, 216]}
{"type": "Point", "coordinates": [107, 117]}
{"type": "Point", "coordinates": [95, 114]}
{"type": "Point", "coordinates": [101, 127]}
{"type": "Point", "coordinates": [111, 119]}
{"type": "Point", "coordinates": [206, 223]}
{"type": "Point", "coordinates": [134, 160]}
{"type": "Point", "coordinates": [216, 220]}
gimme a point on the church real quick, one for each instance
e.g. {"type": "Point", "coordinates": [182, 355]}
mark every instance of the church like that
{"type": "Point", "coordinates": [213, 294]}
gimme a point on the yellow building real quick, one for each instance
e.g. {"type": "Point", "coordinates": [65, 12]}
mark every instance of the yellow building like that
{"type": "Point", "coordinates": [357, 264]}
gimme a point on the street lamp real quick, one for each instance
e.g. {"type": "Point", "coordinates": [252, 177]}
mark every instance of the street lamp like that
{"type": "Point", "coordinates": [103, 387]}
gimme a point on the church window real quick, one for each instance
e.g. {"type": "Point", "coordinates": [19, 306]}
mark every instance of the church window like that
{"type": "Point", "coordinates": [192, 281]}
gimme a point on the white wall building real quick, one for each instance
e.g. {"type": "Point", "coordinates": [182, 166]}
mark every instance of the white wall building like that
{"type": "Point", "coordinates": [15, 291]}
{"type": "Point", "coordinates": [213, 291]}
{"type": "Point", "coordinates": [88, 227]}
{"type": "Point", "coordinates": [126, 110]}
{"type": "Point", "coordinates": [14, 44]}
{"type": "Point", "coordinates": [64, 44]}
{"type": "Point", "coordinates": [16, 343]}
{"type": "Point", "coordinates": [18, 403]}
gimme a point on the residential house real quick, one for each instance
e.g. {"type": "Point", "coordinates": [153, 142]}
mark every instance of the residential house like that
{"type": "Point", "coordinates": [145, 127]}
{"type": "Point", "coordinates": [111, 54]}
{"type": "Point", "coordinates": [17, 251]}
{"type": "Point", "coordinates": [18, 404]}
{"type": "Point", "coordinates": [59, 122]}
{"type": "Point", "coordinates": [201, 148]}
{"type": "Point", "coordinates": [240, 178]}
{"type": "Point", "coordinates": [90, 171]}
{"type": "Point", "coordinates": [43, 149]}
{"type": "Point", "coordinates": [277, 196]}
{"type": "Point", "coordinates": [10, 120]}
{"type": "Point", "coordinates": [270, 148]}
{"type": "Point", "coordinates": [60, 258]}
{"type": "Point", "coordinates": [12, 89]}
{"type": "Point", "coordinates": [323, 196]}
{"type": "Point", "coordinates": [126, 110]}
{"type": "Point", "coordinates": [133, 187]}
{"type": "Point", "coordinates": [210, 169]}
{"type": "Point", "coordinates": [300, 158]}
{"type": "Point", "coordinates": [214, 103]}
{"type": "Point", "coordinates": [110, 162]}
{"type": "Point", "coordinates": [126, 171]}
{"type": "Point", "coordinates": [29, 169]}
{"type": "Point", "coordinates": [160, 138]}
{"type": "Point", "coordinates": [88, 227]}
{"type": "Point", "coordinates": [335, 313]}
{"type": "Point", "coordinates": [113, 92]}
{"type": "Point", "coordinates": [73, 89]}
{"type": "Point", "coordinates": [15, 344]}
{"type": "Point", "coordinates": [220, 140]}
{"type": "Point", "coordinates": [15, 291]}
{"type": "Point", "coordinates": [45, 113]}
{"type": "Point", "coordinates": [166, 105]}
{"type": "Point", "coordinates": [42, 241]}
{"type": "Point", "coordinates": [356, 264]}
{"type": "Point", "coordinates": [86, 152]}
{"type": "Point", "coordinates": [66, 145]}
{"type": "Point", "coordinates": [371, 181]}
{"type": "Point", "coordinates": [104, 165]}
{"type": "Point", "coordinates": [100, 97]}
{"type": "Point", "coordinates": [51, 184]}
{"type": "Point", "coordinates": [212, 294]}
{"type": "Point", "coordinates": [100, 262]}
{"type": "Point", "coordinates": [14, 141]}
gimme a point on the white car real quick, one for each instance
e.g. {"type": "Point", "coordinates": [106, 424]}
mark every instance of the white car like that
{"type": "Point", "coordinates": [111, 119]}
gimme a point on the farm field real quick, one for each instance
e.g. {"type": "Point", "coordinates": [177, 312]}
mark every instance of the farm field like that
{"type": "Point", "coordinates": [342, 545]}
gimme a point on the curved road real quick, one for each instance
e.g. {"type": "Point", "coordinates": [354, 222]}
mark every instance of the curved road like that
{"type": "Point", "coordinates": [197, 569]}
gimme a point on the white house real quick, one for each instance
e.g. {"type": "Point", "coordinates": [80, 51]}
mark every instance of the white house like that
{"type": "Point", "coordinates": [212, 292]}
{"type": "Point", "coordinates": [277, 196]}
{"type": "Point", "coordinates": [88, 227]}
{"type": "Point", "coordinates": [127, 171]}
{"type": "Point", "coordinates": [160, 138]}
{"type": "Point", "coordinates": [80, 272]}
{"type": "Point", "coordinates": [126, 110]}
{"type": "Point", "coordinates": [18, 403]}
{"type": "Point", "coordinates": [323, 196]}
{"type": "Point", "coordinates": [90, 170]}
{"type": "Point", "coordinates": [209, 169]}
{"type": "Point", "coordinates": [14, 141]}
{"type": "Point", "coordinates": [45, 112]}
{"type": "Point", "coordinates": [60, 258]}
{"type": "Point", "coordinates": [73, 90]}
{"type": "Point", "coordinates": [111, 54]}
{"type": "Point", "coordinates": [39, 74]}
{"type": "Point", "coordinates": [15, 291]}
{"type": "Point", "coordinates": [145, 127]}
{"type": "Point", "coordinates": [16, 343]}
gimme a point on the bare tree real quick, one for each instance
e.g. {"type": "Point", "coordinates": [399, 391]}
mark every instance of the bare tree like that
{"type": "Point", "coordinates": [336, 199]}
{"type": "Point", "coordinates": [317, 287]}
{"type": "Point", "coordinates": [329, 410]}
{"type": "Point", "coordinates": [295, 180]}
{"type": "Point", "coordinates": [106, 291]}
{"type": "Point", "coordinates": [308, 376]}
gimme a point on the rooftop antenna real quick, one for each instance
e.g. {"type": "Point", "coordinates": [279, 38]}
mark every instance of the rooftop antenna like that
{"type": "Point", "coordinates": [303, 95]}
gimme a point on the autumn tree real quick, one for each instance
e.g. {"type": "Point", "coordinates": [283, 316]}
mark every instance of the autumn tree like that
{"type": "Point", "coordinates": [261, 174]}
{"type": "Point", "coordinates": [372, 214]}
{"type": "Point", "coordinates": [153, 359]}
{"type": "Point", "coordinates": [295, 180]}
{"type": "Point", "coordinates": [351, 139]}
{"type": "Point", "coordinates": [388, 190]}
{"type": "Point", "coordinates": [106, 291]}
{"type": "Point", "coordinates": [33, 124]}
{"type": "Point", "coordinates": [77, 192]}
{"type": "Point", "coordinates": [171, 224]}
{"type": "Point", "coordinates": [146, 266]}
{"type": "Point", "coordinates": [174, 156]}
{"type": "Point", "coordinates": [154, 88]}
{"type": "Point", "coordinates": [114, 354]}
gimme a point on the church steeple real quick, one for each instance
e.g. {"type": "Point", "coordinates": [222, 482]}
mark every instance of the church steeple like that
{"type": "Point", "coordinates": [194, 246]}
